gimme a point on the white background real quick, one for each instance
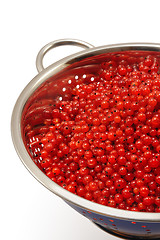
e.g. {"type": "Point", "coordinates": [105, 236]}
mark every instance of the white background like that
{"type": "Point", "coordinates": [29, 211]}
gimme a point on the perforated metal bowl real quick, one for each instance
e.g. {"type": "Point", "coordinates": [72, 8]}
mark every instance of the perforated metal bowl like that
{"type": "Point", "coordinates": [126, 224]}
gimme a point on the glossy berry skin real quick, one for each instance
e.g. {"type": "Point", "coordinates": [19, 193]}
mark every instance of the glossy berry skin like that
{"type": "Point", "coordinates": [100, 138]}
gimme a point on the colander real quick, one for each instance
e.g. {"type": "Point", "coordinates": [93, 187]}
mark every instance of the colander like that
{"type": "Point", "coordinates": [54, 81]}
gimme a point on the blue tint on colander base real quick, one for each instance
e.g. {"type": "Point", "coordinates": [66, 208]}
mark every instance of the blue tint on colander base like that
{"type": "Point", "coordinates": [125, 228]}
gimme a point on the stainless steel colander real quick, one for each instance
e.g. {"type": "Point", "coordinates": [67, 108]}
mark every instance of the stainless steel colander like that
{"type": "Point", "coordinates": [54, 81]}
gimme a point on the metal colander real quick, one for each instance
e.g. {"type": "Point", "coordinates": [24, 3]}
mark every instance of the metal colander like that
{"type": "Point", "coordinates": [55, 81]}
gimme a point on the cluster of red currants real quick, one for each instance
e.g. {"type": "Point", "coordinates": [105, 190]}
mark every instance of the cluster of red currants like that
{"type": "Point", "coordinates": [103, 144]}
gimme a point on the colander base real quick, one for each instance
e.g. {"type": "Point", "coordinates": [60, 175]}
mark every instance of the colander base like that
{"type": "Point", "coordinates": [125, 236]}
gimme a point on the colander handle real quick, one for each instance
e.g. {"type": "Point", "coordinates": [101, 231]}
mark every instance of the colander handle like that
{"type": "Point", "coordinates": [57, 43]}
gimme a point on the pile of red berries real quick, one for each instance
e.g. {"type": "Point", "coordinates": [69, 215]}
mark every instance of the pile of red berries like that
{"type": "Point", "coordinates": [103, 144]}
